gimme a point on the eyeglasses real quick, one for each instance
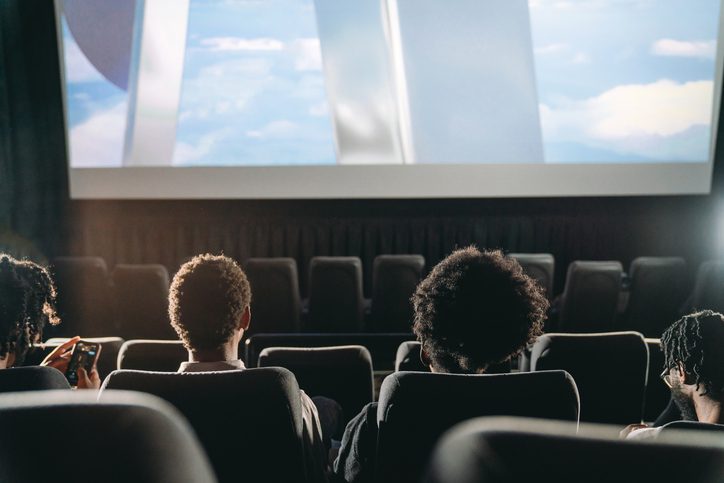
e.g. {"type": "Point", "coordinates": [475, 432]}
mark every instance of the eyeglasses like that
{"type": "Point", "coordinates": [665, 377]}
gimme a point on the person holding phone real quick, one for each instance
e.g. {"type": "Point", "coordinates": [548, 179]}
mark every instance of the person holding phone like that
{"type": "Point", "coordinates": [27, 304]}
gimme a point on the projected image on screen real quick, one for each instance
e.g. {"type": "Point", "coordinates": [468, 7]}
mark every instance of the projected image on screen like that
{"type": "Point", "coordinates": [305, 82]}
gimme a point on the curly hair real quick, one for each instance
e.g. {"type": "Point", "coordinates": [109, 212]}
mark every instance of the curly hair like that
{"type": "Point", "coordinates": [696, 341]}
{"type": "Point", "coordinates": [27, 304]}
{"type": "Point", "coordinates": [477, 308]}
{"type": "Point", "coordinates": [207, 299]}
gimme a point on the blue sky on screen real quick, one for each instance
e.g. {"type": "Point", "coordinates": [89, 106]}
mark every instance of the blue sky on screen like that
{"type": "Point", "coordinates": [618, 80]}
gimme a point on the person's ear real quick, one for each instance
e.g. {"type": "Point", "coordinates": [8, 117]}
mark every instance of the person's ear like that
{"type": "Point", "coordinates": [680, 373]}
{"type": "Point", "coordinates": [245, 319]}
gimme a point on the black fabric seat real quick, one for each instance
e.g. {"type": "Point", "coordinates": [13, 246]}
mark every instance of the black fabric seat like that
{"type": "Point", "coordinates": [609, 369]}
{"type": "Point", "coordinates": [693, 426]}
{"type": "Point", "coordinates": [107, 362]}
{"type": "Point", "coordinates": [658, 288]}
{"type": "Point", "coordinates": [336, 303]}
{"type": "Point", "coordinates": [342, 373]}
{"type": "Point", "coordinates": [408, 358]}
{"type": "Point", "coordinates": [416, 408]}
{"type": "Point", "coordinates": [275, 304]}
{"type": "Point", "coordinates": [84, 301]}
{"type": "Point", "coordinates": [394, 279]}
{"type": "Point", "coordinates": [140, 298]}
{"type": "Point", "coordinates": [152, 355]}
{"type": "Point", "coordinates": [657, 393]}
{"type": "Point", "coordinates": [69, 436]}
{"type": "Point", "coordinates": [248, 421]}
{"type": "Point", "coordinates": [540, 267]}
{"type": "Point", "coordinates": [382, 347]}
{"type": "Point", "coordinates": [32, 378]}
{"type": "Point", "coordinates": [590, 297]}
{"type": "Point", "coordinates": [522, 450]}
{"type": "Point", "coordinates": [709, 287]}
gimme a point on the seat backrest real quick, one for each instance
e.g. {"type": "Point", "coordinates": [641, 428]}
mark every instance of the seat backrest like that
{"type": "Point", "coordinates": [540, 267]}
{"type": "Point", "coordinates": [107, 361]}
{"type": "Point", "coordinates": [658, 288]}
{"type": "Point", "coordinates": [408, 358]}
{"type": "Point", "coordinates": [521, 450]}
{"type": "Point", "coordinates": [69, 436]}
{"type": "Point", "coordinates": [275, 304]}
{"type": "Point", "coordinates": [336, 302]}
{"type": "Point", "coordinates": [610, 371]}
{"type": "Point", "coordinates": [382, 347]}
{"type": "Point", "coordinates": [84, 301]}
{"type": "Point", "coordinates": [32, 378]}
{"type": "Point", "coordinates": [415, 408]}
{"type": "Point", "coordinates": [657, 394]}
{"type": "Point", "coordinates": [394, 279]}
{"type": "Point", "coordinates": [248, 421]}
{"type": "Point", "coordinates": [342, 373]}
{"type": "Point", "coordinates": [590, 297]}
{"type": "Point", "coordinates": [140, 298]}
{"type": "Point", "coordinates": [709, 287]}
{"type": "Point", "coordinates": [152, 355]}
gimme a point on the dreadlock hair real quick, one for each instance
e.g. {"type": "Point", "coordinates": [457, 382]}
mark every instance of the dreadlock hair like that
{"type": "Point", "coordinates": [27, 303]}
{"type": "Point", "coordinates": [696, 341]}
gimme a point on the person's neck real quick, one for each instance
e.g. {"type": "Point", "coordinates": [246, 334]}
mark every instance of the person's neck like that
{"type": "Point", "coordinates": [708, 410]}
{"type": "Point", "coordinates": [227, 352]}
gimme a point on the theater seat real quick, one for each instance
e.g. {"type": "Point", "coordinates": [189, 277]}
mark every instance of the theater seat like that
{"type": "Point", "coordinates": [248, 421]}
{"type": "Point", "coordinates": [152, 355]}
{"type": "Point", "coordinates": [408, 357]}
{"type": "Point", "coordinates": [342, 373]}
{"type": "Point", "coordinates": [275, 305]}
{"type": "Point", "coordinates": [84, 301]}
{"type": "Point", "coordinates": [416, 408]}
{"type": "Point", "coordinates": [694, 426]}
{"type": "Point", "coordinates": [609, 369]}
{"type": "Point", "coordinates": [540, 267]}
{"type": "Point", "coordinates": [657, 393]}
{"type": "Point", "coordinates": [32, 378]}
{"type": "Point", "coordinates": [126, 437]}
{"type": "Point", "coordinates": [140, 296]}
{"type": "Point", "coordinates": [658, 288]}
{"type": "Point", "coordinates": [523, 451]}
{"type": "Point", "coordinates": [394, 279]}
{"type": "Point", "coordinates": [590, 297]}
{"type": "Point", "coordinates": [382, 347]}
{"type": "Point", "coordinates": [336, 302]}
{"type": "Point", "coordinates": [709, 287]}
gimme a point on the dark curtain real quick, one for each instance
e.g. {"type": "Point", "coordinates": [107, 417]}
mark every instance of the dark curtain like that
{"type": "Point", "coordinates": [33, 170]}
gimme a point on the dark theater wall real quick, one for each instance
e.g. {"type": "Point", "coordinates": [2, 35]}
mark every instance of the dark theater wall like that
{"type": "Point", "coordinates": [170, 231]}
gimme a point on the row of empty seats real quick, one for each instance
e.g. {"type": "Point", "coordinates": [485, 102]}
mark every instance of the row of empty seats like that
{"type": "Point", "coordinates": [342, 366]}
{"type": "Point", "coordinates": [132, 300]}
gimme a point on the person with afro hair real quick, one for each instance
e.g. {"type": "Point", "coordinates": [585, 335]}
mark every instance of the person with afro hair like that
{"type": "Point", "coordinates": [475, 309]}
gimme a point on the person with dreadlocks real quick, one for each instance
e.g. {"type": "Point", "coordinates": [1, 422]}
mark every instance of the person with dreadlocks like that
{"type": "Point", "coordinates": [27, 304]}
{"type": "Point", "coordinates": [693, 350]}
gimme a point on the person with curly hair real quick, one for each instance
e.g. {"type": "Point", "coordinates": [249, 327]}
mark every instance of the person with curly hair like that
{"type": "Point", "coordinates": [475, 309]}
{"type": "Point", "coordinates": [209, 308]}
{"type": "Point", "coordinates": [27, 305]}
{"type": "Point", "coordinates": [693, 348]}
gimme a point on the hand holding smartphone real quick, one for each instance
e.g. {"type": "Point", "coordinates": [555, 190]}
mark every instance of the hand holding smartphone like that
{"type": "Point", "coordinates": [84, 355]}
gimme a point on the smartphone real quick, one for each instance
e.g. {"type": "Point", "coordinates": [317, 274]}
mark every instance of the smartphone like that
{"type": "Point", "coordinates": [84, 355]}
